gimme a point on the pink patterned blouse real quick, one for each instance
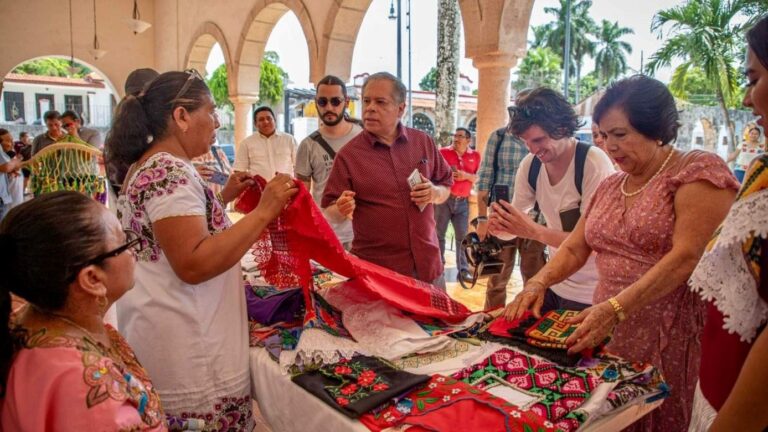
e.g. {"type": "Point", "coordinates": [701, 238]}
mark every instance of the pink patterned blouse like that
{"type": "Point", "coordinates": [630, 242]}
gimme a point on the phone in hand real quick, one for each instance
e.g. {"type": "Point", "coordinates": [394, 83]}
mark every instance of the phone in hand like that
{"type": "Point", "coordinates": [218, 178]}
{"type": "Point", "coordinates": [500, 192]}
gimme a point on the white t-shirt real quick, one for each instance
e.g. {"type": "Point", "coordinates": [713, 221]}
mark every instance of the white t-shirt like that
{"type": "Point", "coordinates": [554, 199]}
{"type": "Point", "coordinates": [264, 156]}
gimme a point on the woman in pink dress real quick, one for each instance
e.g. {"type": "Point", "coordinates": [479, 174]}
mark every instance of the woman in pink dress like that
{"type": "Point", "coordinates": [648, 225]}
{"type": "Point", "coordinates": [61, 367]}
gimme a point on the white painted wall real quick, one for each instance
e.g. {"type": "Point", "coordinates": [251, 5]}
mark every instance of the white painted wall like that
{"type": "Point", "coordinates": [98, 99]}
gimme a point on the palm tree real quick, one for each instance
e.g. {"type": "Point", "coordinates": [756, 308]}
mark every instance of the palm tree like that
{"type": "Point", "coordinates": [703, 34]}
{"type": "Point", "coordinates": [540, 67]}
{"type": "Point", "coordinates": [582, 25]}
{"type": "Point", "coordinates": [610, 60]}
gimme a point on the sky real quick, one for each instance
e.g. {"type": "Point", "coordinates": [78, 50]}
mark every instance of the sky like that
{"type": "Point", "coordinates": [371, 55]}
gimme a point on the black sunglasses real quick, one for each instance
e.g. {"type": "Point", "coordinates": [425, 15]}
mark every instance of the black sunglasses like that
{"type": "Point", "coordinates": [193, 74]}
{"type": "Point", "coordinates": [323, 101]}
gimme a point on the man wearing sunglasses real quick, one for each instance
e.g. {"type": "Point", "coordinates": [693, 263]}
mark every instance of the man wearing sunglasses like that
{"type": "Point", "coordinates": [73, 124]}
{"type": "Point", "coordinates": [316, 153]}
{"type": "Point", "coordinates": [268, 151]}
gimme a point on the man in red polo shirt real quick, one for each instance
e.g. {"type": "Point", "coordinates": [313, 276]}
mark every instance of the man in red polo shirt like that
{"type": "Point", "coordinates": [464, 163]}
{"type": "Point", "coordinates": [369, 184]}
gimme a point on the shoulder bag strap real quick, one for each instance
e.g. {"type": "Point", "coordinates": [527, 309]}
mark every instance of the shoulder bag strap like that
{"type": "Point", "coordinates": [318, 137]}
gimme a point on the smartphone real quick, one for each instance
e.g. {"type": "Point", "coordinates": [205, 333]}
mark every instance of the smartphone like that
{"type": "Point", "coordinates": [219, 178]}
{"type": "Point", "coordinates": [500, 192]}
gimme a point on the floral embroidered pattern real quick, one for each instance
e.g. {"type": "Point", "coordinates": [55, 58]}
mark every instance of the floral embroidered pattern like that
{"type": "Point", "coordinates": [439, 394]}
{"type": "Point", "coordinates": [110, 373]}
{"type": "Point", "coordinates": [356, 382]}
{"type": "Point", "coordinates": [162, 175]}
{"type": "Point", "coordinates": [231, 414]}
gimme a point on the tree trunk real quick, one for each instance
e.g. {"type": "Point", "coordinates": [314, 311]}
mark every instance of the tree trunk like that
{"type": "Point", "coordinates": [448, 28]}
{"type": "Point", "coordinates": [728, 122]}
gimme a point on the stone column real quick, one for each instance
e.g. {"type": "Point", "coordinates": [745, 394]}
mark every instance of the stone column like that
{"type": "Point", "coordinates": [243, 117]}
{"type": "Point", "coordinates": [166, 32]}
{"type": "Point", "coordinates": [493, 94]}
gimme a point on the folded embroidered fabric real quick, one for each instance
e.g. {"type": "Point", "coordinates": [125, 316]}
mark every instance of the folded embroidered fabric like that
{"type": "Point", "coordinates": [446, 404]}
{"type": "Point", "coordinates": [359, 385]}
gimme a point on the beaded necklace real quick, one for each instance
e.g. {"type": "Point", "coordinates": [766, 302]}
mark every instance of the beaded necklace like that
{"type": "Point", "coordinates": [642, 188]}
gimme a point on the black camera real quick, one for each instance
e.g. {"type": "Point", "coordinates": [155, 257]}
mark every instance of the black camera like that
{"type": "Point", "coordinates": [483, 256]}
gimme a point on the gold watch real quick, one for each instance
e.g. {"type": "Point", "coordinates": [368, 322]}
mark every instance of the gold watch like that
{"type": "Point", "coordinates": [617, 308]}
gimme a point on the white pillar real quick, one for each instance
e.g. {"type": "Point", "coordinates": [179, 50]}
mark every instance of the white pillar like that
{"type": "Point", "coordinates": [243, 117]}
{"type": "Point", "coordinates": [492, 94]}
{"type": "Point", "coordinates": [167, 44]}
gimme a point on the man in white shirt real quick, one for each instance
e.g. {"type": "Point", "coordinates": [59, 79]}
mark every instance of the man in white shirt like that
{"type": "Point", "coordinates": [316, 153]}
{"type": "Point", "coordinates": [559, 177]}
{"type": "Point", "coordinates": [268, 151]}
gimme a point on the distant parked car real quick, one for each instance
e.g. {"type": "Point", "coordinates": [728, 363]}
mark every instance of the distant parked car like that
{"type": "Point", "coordinates": [229, 150]}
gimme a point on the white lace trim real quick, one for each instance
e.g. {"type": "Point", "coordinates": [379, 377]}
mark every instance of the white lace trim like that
{"type": "Point", "coordinates": [315, 346]}
{"type": "Point", "coordinates": [702, 414]}
{"type": "Point", "coordinates": [722, 274]}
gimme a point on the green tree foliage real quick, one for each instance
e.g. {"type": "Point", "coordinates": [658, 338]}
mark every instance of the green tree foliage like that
{"type": "Point", "coordinates": [697, 89]}
{"type": "Point", "coordinates": [588, 85]}
{"type": "Point", "coordinates": [429, 81]}
{"type": "Point", "coordinates": [704, 34]}
{"type": "Point", "coordinates": [540, 67]}
{"type": "Point", "coordinates": [51, 66]}
{"type": "Point", "coordinates": [610, 59]}
{"type": "Point", "coordinates": [219, 87]}
{"type": "Point", "coordinates": [272, 81]}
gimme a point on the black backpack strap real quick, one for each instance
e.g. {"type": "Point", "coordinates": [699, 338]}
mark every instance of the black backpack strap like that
{"type": "Point", "coordinates": [317, 137]}
{"type": "Point", "coordinates": [500, 140]}
{"type": "Point", "coordinates": [581, 159]}
{"type": "Point", "coordinates": [533, 175]}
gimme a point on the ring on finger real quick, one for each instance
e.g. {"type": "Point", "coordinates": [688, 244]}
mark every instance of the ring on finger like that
{"type": "Point", "coordinates": [289, 184]}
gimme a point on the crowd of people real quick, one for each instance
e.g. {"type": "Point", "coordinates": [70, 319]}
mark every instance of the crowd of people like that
{"type": "Point", "coordinates": [663, 251]}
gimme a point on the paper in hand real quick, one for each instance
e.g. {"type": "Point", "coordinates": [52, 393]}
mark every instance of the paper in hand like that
{"type": "Point", "coordinates": [413, 180]}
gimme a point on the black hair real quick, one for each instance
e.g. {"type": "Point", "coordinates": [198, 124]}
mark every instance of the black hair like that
{"type": "Point", "coordinates": [139, 80]}
{"type": "Point", "coordinates": [40, 254]}
{"type": "Point", "coordinates": [648, 105]}
{"type": "Point", "coordinates": [141, 120]}
{"type": "Point", "coordinates": [262, 109]}
{"type": "Point", "coordinates": [51, 115]}
{"type": "Point", "coordinates": [398, 88]}
{"type": "Point", "coordinates": [23, 134]}
{"type": "Point", "coordinates": [71, 114]}
{"type": "Point", "coordinates": [547, 109]}
{"type": "Point", "coordinates": [757, 39]}
{"type": "Point", "coordinates": [4, 131]}
{"type": "Point", "coordinates": [466, 131]}
{"type": "Point", "coordinates": [333, 81]}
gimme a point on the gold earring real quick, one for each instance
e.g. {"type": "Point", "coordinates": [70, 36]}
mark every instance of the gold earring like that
{"type": "Point", "coordinates": [102, 302]}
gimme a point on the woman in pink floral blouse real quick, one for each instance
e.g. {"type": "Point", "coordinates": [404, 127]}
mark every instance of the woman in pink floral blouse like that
{"type": "Point", "coordinates": [648, 225]}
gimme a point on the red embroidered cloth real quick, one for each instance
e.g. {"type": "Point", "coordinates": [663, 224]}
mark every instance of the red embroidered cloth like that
{"type": "Point", "coordinates": [301, 233]}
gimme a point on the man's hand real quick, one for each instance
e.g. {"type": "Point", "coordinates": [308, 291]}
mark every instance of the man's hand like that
{"type": "Point", "coordinates": [459, 175]}
{"type": "Point", "coordinates": [345, 204]}
{"type": "Point", "coordinates": [507, 219]}
{"type": "Point", "coordinates": [482, 229]}
{"type": "Point", "coordinates": [427, 193]}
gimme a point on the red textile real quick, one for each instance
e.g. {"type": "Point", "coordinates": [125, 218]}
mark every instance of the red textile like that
{"type": "Point", "coordinates": [301, 233]}
{"type": "Point", "coordinates": [446, 404]}
{"type": "Point", "coordinates": [468, 162]}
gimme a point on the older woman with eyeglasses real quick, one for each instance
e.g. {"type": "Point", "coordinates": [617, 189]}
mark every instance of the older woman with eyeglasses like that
{"type": "Point", "coordinates": [61, 367]}
{"type": "Point", "coordinates": [186, 317]}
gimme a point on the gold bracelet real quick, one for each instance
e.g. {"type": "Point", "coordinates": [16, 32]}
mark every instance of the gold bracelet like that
{"type": "Point", "coordinates": [220, 198]}
{"type": "Point", "coordinates": [617, 308]}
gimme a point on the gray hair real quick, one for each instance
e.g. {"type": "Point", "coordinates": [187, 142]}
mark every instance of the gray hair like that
{"type": "Point", "coordinates": [399, 90]}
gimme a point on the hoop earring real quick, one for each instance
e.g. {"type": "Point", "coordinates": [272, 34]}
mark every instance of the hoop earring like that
{"type": "Point", "coordinates": [102, 303]}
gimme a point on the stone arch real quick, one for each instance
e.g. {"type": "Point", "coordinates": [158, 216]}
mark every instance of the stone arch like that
{"type": "Point", "coordinates": [107, 80]}
{"type": "Point", "coordinates": [253, 40]}
{"type": "Point", "coordinates": [509, 18]}
{"type": "Point", "coordinates": [472, 125]}
{"type": "Point", "coordinates": [340, 32]}
{"type": "Point", "coordinates": [423, 122]}
{"type": "Point", "coordinates": [200, 47]}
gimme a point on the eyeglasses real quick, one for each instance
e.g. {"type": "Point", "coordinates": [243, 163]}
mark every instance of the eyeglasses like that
{"type": "Point", "coordinates": [133, 240]}
{"type": "Point", "coordinates": [460, 136]}
{"type": "Point", "coordinates": [193, 74]}
{"type": "Point", "coordinates": [323, 101]}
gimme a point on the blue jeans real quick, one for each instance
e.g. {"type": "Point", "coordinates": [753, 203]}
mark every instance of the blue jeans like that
{"type": "Point", "coordinates": [456, 211]}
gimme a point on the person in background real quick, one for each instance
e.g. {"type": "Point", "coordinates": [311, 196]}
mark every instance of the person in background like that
{"type": "Point", "coordinates": [316, 153]}
{"type": "Point", "coordinates": [73, 124]}
{"type": "Point", "coordinates": [61, 367]}
{"type": "Point", "coordinates": [464, 163]}
{"type": "Point", "coordinates": [750, 149]}
{"type": "Point", "coordinates": [23, 147]}
{"type": "Point", "coordinates": [268, 151]}
{"type": "Point", "coordinates": [186, 317]}
{"type": "Point", "coordinates": [53, 132]}
{"type": "Point", "coordinates": [8, 167]}
{"type": "Point", "coordinates": [648, 225]}
{"type": "Point", "coordinates": [393, 221]}
{"type": "Point", "coordinates": [732, 277]}
{"type": "Point", "coordinates": [211, 166]}
{"type": "Point", "coordinates": [15, 178]}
